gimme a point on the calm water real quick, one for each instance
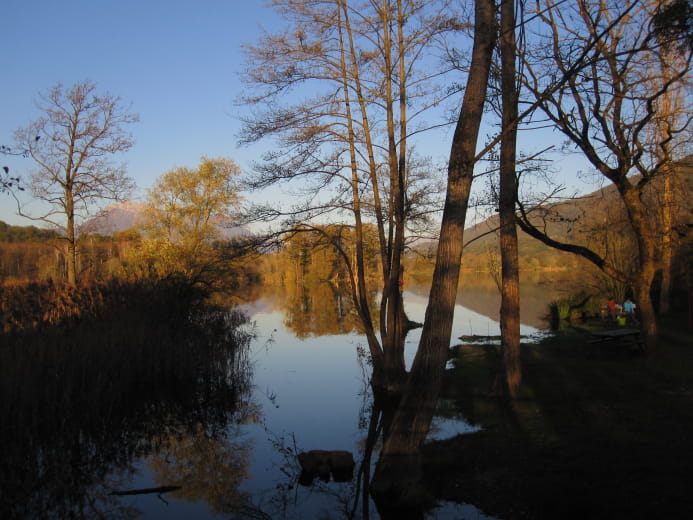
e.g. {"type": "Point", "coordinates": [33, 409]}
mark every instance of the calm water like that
{"type": "Point", "coordinates": [307, 391]}
{"type": "Point", "coordinates": [312, 393]}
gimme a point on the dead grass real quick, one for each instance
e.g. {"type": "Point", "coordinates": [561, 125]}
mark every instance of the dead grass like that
{"type": "Point", "coordinates": [33, 305]}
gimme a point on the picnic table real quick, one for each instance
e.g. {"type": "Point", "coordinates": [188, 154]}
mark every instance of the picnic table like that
{"type": "Point", "coordinates": [623, 337]}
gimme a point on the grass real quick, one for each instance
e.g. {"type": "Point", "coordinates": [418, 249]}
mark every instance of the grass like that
{"type": "Point", "coordinates": [596, 433]}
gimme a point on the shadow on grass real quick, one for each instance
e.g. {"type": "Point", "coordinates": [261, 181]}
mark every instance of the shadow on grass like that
{"type": "Point", "coordinates": [594, 434]}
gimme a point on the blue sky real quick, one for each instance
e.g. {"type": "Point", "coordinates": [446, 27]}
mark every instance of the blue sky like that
{"type": "Point", "coordinates": [175, 61]}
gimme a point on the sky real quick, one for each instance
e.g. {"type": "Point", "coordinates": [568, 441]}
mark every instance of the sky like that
{"type": "Point", "coordinates": [175, 63]}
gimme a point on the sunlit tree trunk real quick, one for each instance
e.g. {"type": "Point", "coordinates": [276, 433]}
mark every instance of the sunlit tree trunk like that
{"type": "Point", "coordinates": [647, 265]}
{"type": "Point", "coordinates": [667, 243]}
{"type": "Point", "coordinates": [510, 274]}
{"type": "Point", "coordinates": [70, 236]}
{"type": "Point", "coordinates": [393, 327]}
{"type": "Point", "coordinates": [398, 468]}
{"type": "Point", "coordinates": [670, 110]}
{"type": "Point", "coordinates": [358, 279]}
{"type": "Point", "coordinates": [370, 153]}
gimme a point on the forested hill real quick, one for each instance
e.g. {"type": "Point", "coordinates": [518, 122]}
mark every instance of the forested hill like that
{"type": "Point", "coordinates": [10, 233]}
{"type": "Point", "coordinates": [581, 220]}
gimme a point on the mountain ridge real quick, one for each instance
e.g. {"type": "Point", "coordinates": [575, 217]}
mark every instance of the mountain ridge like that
{"type": "Point", "coordinates": [126, 215]}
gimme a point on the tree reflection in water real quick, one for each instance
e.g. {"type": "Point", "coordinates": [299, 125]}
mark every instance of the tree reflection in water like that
{"type": "Point", "coordinates": [206, 468]}
{"type": "Point", "coordinates": [311, 380]}
{"type": "Point", "coordinates": [319, 308]}
{"type": "Point", "coordinates": [79, 404]}
{"type": "Point", "coordinates": [82, 406]}
{"type": "Point", "coordinates": [352, 499]}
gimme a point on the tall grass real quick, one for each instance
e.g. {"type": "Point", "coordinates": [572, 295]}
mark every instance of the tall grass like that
{"type": "Point", "coordinates": [36, 305]}
{"type": "Point", "coordinates": [92, 376]}
{"type": "Point", "coordinates": [572, 309]}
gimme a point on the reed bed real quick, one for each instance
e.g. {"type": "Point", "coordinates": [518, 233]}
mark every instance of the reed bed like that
{"type": "Point", "coordinates": [92, 376]}
{"type": "Point", "coordinates": [38, 304]}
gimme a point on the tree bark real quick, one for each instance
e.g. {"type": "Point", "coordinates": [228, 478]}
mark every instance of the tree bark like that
{"type": "Point", "coordinates": [647, 261]}
{"type": "Point", "coordinates": [358, 282]}
{"type": "Point", "coordinates": [667, 242]}
{"type": "Point", "coordinates": [394, 330]}
{"type": "Point", "coordinates": [70, 235]}
{"type": "Point", "coordinates": [510, 273]}
{"type": "Point", "coordinates": [413, 416]}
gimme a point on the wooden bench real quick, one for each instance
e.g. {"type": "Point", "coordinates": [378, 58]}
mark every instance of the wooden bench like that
{"type": "Point", "coordinates": [619, 337]}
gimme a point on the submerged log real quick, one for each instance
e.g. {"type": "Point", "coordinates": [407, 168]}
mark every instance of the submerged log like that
{"type": "Point", "coordinates": [146, 491]}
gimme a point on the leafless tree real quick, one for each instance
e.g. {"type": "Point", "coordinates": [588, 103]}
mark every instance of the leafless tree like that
{"type": "Point", "coordinates": [80, 131]}
{"type": "Point", "coordinates": [606, 106]}
{"type": "Point", "coordinates": [366, 67]}
{"type": "Point", "coordinates": [413, 416]}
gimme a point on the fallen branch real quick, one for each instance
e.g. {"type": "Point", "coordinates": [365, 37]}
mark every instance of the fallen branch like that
{"type": "Point", "coordinates": [146, 491]}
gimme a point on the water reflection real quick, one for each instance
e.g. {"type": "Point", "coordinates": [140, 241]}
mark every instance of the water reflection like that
{"type": "Point", "coordinates": [93, 415]}
{"type": "Point", "coordinates": [315, 396]}
{"type": "Point", "coordinates": [317, 309]}
{"type": "Point", "coordinates": [479, 293]}
{"type": "Point", "coordinates": [204, 467]}
{"type": "Point", "coordinates": [80, 405]}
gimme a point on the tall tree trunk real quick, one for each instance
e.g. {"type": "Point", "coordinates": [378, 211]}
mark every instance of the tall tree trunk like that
{"type": "Point", "coordinates": [71, 240]}
{"type": "Point", "coordinates": [647, 262]}
{"type": "Point", "coordinates": [510, 274]}
{"type": "Point", "coordinates": [394, 480]}
{"type": "Point", "coordinates": [358, 281]}
{"type": "Point", "coordinates": [394, 325]}
{"type": "Point", "coordinates": [366, 128]}
{"type": "Point", "coordinates": [667, 243]}
{"type": "Point", "coordinates": [671, 114]}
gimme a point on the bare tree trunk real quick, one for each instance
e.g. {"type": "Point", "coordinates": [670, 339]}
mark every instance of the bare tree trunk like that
{"type": "Point", "coordinates": [647, 265]}
{"type": "Point", "coordinates": [71, 240]}
{"type": "Point", "coordinates": [393, 480]}
{"type": "Point", "coordinates": [394, 325]}
{"type": "Point", "coordinates": [670, 116]}
{"type": "Point", "coordinates": [667, 243]}
{"type": "Point", "coordinates": [358, 281]}
{"type": "Point", "coordinates": [366, 128]}
{"type": "Point", "coordinates": [510, 287]}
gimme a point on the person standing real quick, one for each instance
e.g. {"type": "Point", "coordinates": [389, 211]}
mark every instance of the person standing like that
{"type": "Point", "coordinates": [613, 308]}
{"type": "Point", "coordinates": [629, 309]}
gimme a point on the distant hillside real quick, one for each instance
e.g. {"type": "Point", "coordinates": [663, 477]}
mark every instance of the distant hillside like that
{"type": "Point", "coordinates": [10, 233]}
{"type": "Point", "coordinates": [581, 220]}
{"type": "Point", "coordinates": [115, 218]}
{"type": "Point", "coordinates": [127, 215]}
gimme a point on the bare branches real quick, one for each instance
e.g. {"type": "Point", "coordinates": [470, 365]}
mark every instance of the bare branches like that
{"type": "Point", "coordinates": [605, 81]}
{"type": "Point", "coordinates": [80, 131]}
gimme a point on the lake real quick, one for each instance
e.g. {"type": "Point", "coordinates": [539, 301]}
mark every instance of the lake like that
{"type": "Point", "coordinates": [221, 446]}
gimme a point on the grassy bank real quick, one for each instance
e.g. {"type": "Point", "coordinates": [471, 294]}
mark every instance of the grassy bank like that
{"type": "Point", "coordinates": [596, 433]}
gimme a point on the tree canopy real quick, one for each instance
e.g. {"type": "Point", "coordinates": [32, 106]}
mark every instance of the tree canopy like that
{"type": "Point", "coordinates": [186, 211]}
